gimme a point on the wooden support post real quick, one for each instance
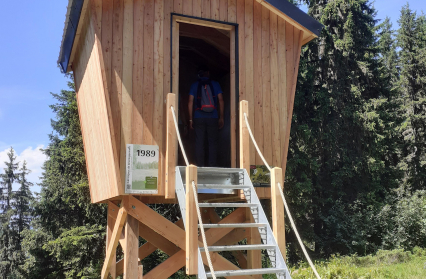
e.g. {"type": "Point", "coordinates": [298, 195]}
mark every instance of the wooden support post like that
{"type": "Point", "coordinates": [131, 261]}
{"type": "Point", "coordinates": [244, 138]}
{"type": "Point", "coordinates": [171, 148]}
{"type": "Point", "coordinates": [254, 257]}
{"type": "Point", "coordinates": [278, 223]}
{"type": "Point", "coordinates": [244, 141]}
{"type": "Point", "coordinates": [140, 272]}
{"type": "Point", "coordinates": [191, 226]}
{"type": "Point", "coordinates": [112, 211]}
{"type": "Point", "coordinates": [118, 226]}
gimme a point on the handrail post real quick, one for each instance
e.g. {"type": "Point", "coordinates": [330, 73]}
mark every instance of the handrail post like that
{"type": "Point", "coordinates": [278, 223]}
{"type": "Point", "coordinates": [171, 149]}
{"type": "Point", "coordinates": [244, 141]}
{"type": "Point", "coordinates": [191, 226]}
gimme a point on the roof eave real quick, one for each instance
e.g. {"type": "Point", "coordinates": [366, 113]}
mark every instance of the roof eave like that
{"type": "Point", "coordinates": [295, 16]}
{"type": "Point", "coordinates": [70, 30]}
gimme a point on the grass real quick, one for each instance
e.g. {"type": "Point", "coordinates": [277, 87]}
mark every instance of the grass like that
{"type": "Point", "coordinates": [395, 264]}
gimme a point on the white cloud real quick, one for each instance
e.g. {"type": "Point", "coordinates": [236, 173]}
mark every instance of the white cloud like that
{"type": "Point", "coordinates": [34, 158]}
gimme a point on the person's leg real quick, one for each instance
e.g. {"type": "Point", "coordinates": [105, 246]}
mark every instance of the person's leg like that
{"type": "Point", "coordinates": [200, 132]}
{"type": "Point", "coordinates": [213, 138]}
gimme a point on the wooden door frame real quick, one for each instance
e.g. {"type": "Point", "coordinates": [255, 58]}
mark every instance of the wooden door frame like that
{"type": "Point", "coordinates": [234, 71]}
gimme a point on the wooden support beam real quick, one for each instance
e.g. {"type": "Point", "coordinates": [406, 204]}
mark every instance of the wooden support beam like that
{"type": "Point", "coordinates": [119, 223]}
{"type": "Point", "coordinates": [131, 261]}
{"type": "Point", "coordinates": [278, 223]}
{"type": "Point", "coordinates": [191, 226]}
{"type": "Point", "coordinates": [155, 241]}
{"type": "Point", "coordinates": [176, 235]}
{"type": "Point", "coordinates": [112, 210]}
{"type": "Point", "coordinates": [168, 267]}
{"type": "Point", "coordinates": [254, 257]}
{"type": "Point", "coordinates": [155, 221]}
{"type": "Point", "coordinates": [171, 142]}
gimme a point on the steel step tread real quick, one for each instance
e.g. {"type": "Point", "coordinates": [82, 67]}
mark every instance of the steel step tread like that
{"type": "Point", "coordinates": [230, 204]}
{"type": "Point", "coordinates": [238, 247]}
{"type": "Point", "coordinates": [225, 273]}
{"type": "Point", "coordinates": [234, 225]}
{"type": "Point", "coordinates": [222, 186]}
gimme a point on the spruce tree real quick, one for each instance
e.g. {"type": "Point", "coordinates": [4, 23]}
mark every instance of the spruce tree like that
{"type": "Point", "coordinates": [6, 231]}
{"type": "Point", "coordinates": [67, 239]}
{"type": "Point", "coordinates": [337, 167]}
{"type": "Point", "coordinates": [412, 44]}
{"type": "Point", "coordinates": [22, 211]}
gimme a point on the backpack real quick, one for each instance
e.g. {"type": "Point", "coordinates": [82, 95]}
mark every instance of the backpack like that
{"type": "Point", "coordinates": [206, 98]}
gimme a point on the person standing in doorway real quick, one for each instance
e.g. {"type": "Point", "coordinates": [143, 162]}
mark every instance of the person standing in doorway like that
{"type": "Point", "coordinates": [205, 108]}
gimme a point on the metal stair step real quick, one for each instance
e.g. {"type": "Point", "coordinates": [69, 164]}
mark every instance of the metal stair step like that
{"type": "Point", "coordinates": [225, 273]}
{"type": "Point", "coordinates": [238, 247]}
{"type": "Point", "coordinates": [234, 225]}
{"type": "Point", "coordinates": [221, 186]}
{"type": "Point", "coordinates": [228, 204]}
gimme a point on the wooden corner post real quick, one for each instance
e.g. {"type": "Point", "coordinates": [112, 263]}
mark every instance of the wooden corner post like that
{"type": "Point", "coordinates": [244, 141]}
{"type": "Point", "coordinates": [278, 223]}
{"type": "Point", "coordinates": [191, 226]}
{"type": "Point", "coordinates": [171, 148]}
{"type": "Point", "coordinates": [244, 138]}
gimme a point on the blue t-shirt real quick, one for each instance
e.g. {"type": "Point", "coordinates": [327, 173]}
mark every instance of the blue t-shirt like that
{"type": "Point", "coordinates": [193, 92]}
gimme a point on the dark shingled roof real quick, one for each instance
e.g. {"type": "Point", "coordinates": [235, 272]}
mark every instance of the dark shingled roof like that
{"type": "Point", "coordinates": [70, 29]}
{"type": "Point", "coordinates": [75, 7]}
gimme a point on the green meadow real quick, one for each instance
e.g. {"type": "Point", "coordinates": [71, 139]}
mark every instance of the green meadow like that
{"type": "Point", "coordinates": [394, 264]}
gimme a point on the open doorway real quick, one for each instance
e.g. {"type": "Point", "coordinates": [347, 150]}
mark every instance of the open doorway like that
{"type": "Point", "coordinates": [210, 47]}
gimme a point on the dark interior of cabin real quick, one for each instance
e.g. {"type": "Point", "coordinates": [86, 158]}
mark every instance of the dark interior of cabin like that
{"type": "Point", "coordinates": [199, 45]}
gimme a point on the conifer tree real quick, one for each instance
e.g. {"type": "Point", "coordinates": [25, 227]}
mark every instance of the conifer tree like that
{"type": "Point", "coordinates": [337, 158]}
{"type": "Point", "coordinates": [67, 239]}
{"type": "Point", "coordinates": [6, 232]}
{"type": "Point", "coordinates": [412, 44]}
{"type": "Point", "coordinates": [22, 211]}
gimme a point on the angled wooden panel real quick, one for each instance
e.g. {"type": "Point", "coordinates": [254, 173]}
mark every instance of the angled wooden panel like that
{"type": "Point", "coordinates": [297, 47]}
{"type": "Point", "coordinates": [104, 176]}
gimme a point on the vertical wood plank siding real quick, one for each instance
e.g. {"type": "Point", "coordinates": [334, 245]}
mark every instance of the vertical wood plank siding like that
{"type": "Point", "coordinates": [135, 45]}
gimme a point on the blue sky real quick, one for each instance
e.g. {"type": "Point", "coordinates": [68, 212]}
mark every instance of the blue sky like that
{"type": "Point", "coordinates": [31, 36]}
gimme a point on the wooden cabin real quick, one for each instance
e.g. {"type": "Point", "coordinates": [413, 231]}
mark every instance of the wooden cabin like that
{"type": "Point", "coordinates": [128, 55]}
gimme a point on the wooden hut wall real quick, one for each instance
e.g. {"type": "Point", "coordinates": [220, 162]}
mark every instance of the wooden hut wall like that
{"type": "Point", "coordinates": [135, 43]}
{"type": "Point", "coordinates": [102, 166]}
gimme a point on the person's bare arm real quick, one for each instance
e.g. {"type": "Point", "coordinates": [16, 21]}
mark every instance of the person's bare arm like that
{"type": "Point", "coordinates": [221, 109]}
{"type": "Point", "coordinates": [190, 106]}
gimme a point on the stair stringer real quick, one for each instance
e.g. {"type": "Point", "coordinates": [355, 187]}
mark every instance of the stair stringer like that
{"type": "Point", "coordinates": [181, 195]}
{"type": "Point", "coordinates": [259, 216]}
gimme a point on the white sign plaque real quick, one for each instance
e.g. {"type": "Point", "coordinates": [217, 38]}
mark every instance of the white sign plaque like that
{"type": "Point", "coordinates": [142, 169]}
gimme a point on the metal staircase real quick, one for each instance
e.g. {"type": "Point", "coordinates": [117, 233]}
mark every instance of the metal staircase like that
{"type": "Point", "coordinates": [229, 181]}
